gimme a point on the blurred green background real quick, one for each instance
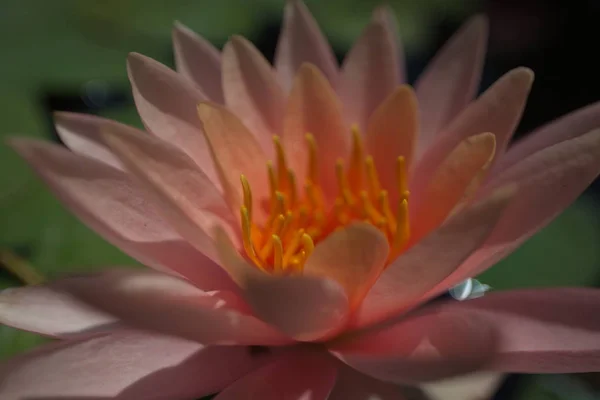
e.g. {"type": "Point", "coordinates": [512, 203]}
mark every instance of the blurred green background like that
{"type": "Point", "coordinates": [56, 53]}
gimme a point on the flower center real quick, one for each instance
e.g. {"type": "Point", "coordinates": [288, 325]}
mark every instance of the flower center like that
{"type": "Point", "coordinates": [296, 222]}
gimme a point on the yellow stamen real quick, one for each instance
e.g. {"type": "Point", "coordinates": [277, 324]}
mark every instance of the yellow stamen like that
{"type": "Point", "coordinates": [278, 257]}
{"type": "Point", "coordinates": [20, 268]}
{"type": "Point", "coordinates": [247, 195]}
{"type": "Point", "coordinates": [247, 237]}
{"type": "Point", "coordinates": [297, 220]}
{"type": "Point", "coordinates": [308, 245]}
{"type": "Point", "coordinates": [355, 171]}
{"type": "Point", "coordinates": [401, 176]}
{"type": "Point", "coordinates": [292, 247]}
{"type": "Point", "coordinates": [293, 193]}
{"type": "Point", "coordinates": [282, 168]}
{"type": "Point", "coordinates": [372, 178]}
{"type": "Point", "coordinates": [402, 232]}
{"type": "Point", "coordinates": [343, 183]}
{"type": "Point", "coordinates": [265, 252]}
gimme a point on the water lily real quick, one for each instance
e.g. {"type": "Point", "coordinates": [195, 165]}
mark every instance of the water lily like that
{"type": "Point", "coordinates": [300, 219]}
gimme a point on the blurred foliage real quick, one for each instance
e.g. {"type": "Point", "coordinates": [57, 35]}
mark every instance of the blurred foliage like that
{"type": "Point", "coordinates": [63, 44]}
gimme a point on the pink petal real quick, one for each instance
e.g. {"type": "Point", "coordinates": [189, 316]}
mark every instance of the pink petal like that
{"type": "Point", "coordinates": [352, 385]}
{"type": "Point", "coordinates": [199, 61]}
{"type": "Point", "coordinates": [425, 346]}
{"type": "Point", "coordinates": [428, 262]}
{"type": "Point", "coordinates": [567, 127]}
{"type": "Point", "coordinates": [50, 313]}
{"type": "Point", "coordinates": [392, 132]}
{"type": "Point", "coordinates": [252, 91]}
{"type": "Point", "coordinates": [549, 181]}
{"type": "Point", "coordinates": [301, 375]}
{"type": "Point", "coordinates": [451, 79]}
{"type": "Point", "coordinates": [498, 110]}
{"type": "Point", "coordinates": [188, 199]}
{"type": "Point", "coordinates": [301, 41]}
{"type": "Point", "coordinates": [354, 257]}
{"type": "Point", "coordinates": [166, 102]}
{"type": "Point", "coordinates": [236, 152]}
{"type": "Point", "coordinates": [113, 204]}
{"type": "Point", "coordinates": [370, 73]}
{"type": "Point", "coordinates": [165, 304]}
{"type": "Point", "coordinates": [82, 134]}
{"type": "Point", "coordinates": [313, 107]}
{"type": "Point", "coordinates": [306, 308]}
{"type": "Point", "coordinates": [124, 366]}
{"type": "Point", "coordinates": [460, 173]}
{"type": "Point", "coordinates": [541, 331]}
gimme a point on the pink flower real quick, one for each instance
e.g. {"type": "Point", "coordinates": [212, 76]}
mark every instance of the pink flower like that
{"type": "Point", "coordinates": [325, 258]}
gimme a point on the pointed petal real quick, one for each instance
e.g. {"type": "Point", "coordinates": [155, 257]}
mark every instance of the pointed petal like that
{"type": "Point", "coordinates": [392, 132]}
{"type": "Point", "coordinates": [383, 14]}
{"type": "Point", "coordinates": [301, 375]}
{"type": "Point", "coordinates": [451, 79]}
{"type": "Point", "coordinates": [429, 345]}
{"type": "Point", "coordinates": [370, 73]}
{"type": "Point", "coordinates": [498, 110]}
{"type": "Point", "coordinates": [543, 330]}
{"type": "Point", "coordinates": [199, 61]}
{"type": "Point", "coordinates": [161, 303]}
{"type": "Point", "coordinates": [463, 169]}
{"type": "Point", "coordinates": [352, 385]}
{"type": "Point", "coordinates": [188, 199]}
{"type": "Point", "coordinates": [313, 107]}
{"type": "Point", "coordinates": [236, 152]}
{"type": "Point", "coordinates": [354, 257]}
{"type": "Point", "coordinates": [114, 205]}
{"type": "Point", "coordinates": [567, 127]}
{"type": "Point", "coordinates": [549, 181]}
{"type": "Point", "coordinates": [166, 102]}
{"type": "Point", "coordinates": [252, 91]}
{"type": "Point", "coordinates": [47, 312]}
{"type": "Point", "coordinates": [81, 134]}
{"type": "Point", "coordinates": [124, 366]}
{"type": "Point", "coordinates": [404, 282]}
{"type": "Point", "coordinates": [301, 41]}
{"type": "Point", "coordinates": [306, 308]}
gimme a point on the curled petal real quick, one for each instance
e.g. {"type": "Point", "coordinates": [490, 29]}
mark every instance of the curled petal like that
{"type": "Point", "coordinates": [543, 330]}
{"type": "Point", "coordinates": [236, 152]}
{"type": "Point", "coordinates": [165, 304]}
{"type": "Point", "coordinates": [51, 313]}
{"type": "Point", "coordinates": [199, 61]}
{"type": "Point", "coordinates": [313, 107]}
{"type": "Point", "coordinates": [392, 132]}
{"type": "Point", "coordinates": [460, 173]}
{"type": "Point", "coordinates": [567, 127]}
{"type": "Point", "coordinates": [252, 91]}
{"type": "Point", "coordinates": [124, 366]}
{"type": "Point", "coordinates": [497, 110]}
{"type": "Point", "coordinates": [451, 79]}
{"type": "Point", "coordinates": [354, 257]}
{"type": "Point", "coordinates": [301, 41]}
{"type": "Point", "coordinates": [113, 204]}
{"type": "Point", "coordinates": [82, 134]}
{"type": "Point", "coordinates": [430, 345]}
{"type": "Point", "coordinates": [166, 102]}
{"type": "Point", "coordinates": [188, 199]}
{"type": "Point", "coordinates": [370, 72]}
{"type": "Point", "coordinates": [306, 308]}
{"type": "Point", "coordinates": [405, 281]}
{"type": "Point", "coordinates": [549, 181]}
{"type": "Point", "coordinates": [299, 375]}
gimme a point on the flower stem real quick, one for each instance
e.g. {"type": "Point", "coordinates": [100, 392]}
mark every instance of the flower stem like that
{"type": "Point", "coordinates": [20, 268]}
